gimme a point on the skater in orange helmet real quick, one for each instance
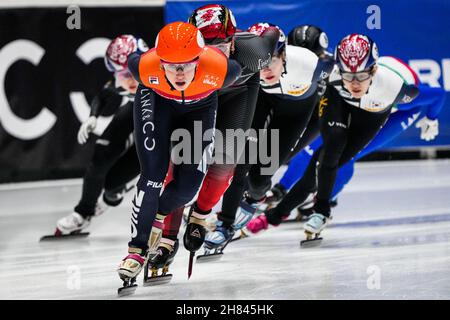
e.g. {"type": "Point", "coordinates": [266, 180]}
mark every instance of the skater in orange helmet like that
{"type": "Point", "coordinates": [179, 79]}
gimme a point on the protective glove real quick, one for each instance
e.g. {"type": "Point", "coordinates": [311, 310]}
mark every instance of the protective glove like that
{"type": "Point", "coordinates": [86, 128]}
{"type": "Point", "coordinates": [429, 129]}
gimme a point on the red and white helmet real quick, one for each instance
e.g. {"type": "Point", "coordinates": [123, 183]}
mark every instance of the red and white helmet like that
{"type": "Point", "coordinates": [119, 49]}
{"type": "Point", "coordinates": [216, 22]}
{"type": "Point", "coordinates": [261, 27]}
{"type": "Point", "coordinates": [355, 53]}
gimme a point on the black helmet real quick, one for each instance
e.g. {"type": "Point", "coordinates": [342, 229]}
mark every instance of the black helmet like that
{"type": "Point", "coordinates": [309, 37]}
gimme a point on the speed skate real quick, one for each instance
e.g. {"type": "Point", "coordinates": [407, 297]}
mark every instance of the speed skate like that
{"type": "Point", "coordinates": [216, 253]}
{"type": "Point", "coordinates": [157, 267]}
{"type": "Point", "coordinates": [128, 288]}
{"type": "Point", "coordinates": [59, 236]}
{"type": "Point", "coordinates": [312, 240]}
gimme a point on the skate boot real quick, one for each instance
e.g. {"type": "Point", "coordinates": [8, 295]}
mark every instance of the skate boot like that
{"type": "Point", "coordinates": [129, 269]}
{"type": "Point", "coordinates": [113, 198]}
{"type": "Point", "coordinates": [247, 209]}
{"type": "Point", "coordinates": [244, 215]}
{"type": "Point", "coordinates": [262, 221]}
{"type": "Point", "coordinates": [163, 257]}
{"type": "Point", "coordinates": [211, 221]}
{"type": "Point", "coordinates": [156, 233]}
{"type": "Point", "coordinates": [102, 206]}
{"type": "Point", "coordinates": [70, 226]}
{"type": "Point", "coordinates": [195, 232]}
{"type": "Point", "coordinates": [185, 216]}
{"type": "Point", "coordinates": [313, 227]}
{"type": "Point", "coordinates": [274, 195]}
{"type": "Point", "coordinates": [249, 206]}
{"type": "Point", "coordinates": [216, 241]}
{"type": "Point", "coordinates": [107, 200]}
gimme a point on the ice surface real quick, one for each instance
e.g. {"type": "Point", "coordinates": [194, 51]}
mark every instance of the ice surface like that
{"type": "Point", "coordinates": [390, 239]}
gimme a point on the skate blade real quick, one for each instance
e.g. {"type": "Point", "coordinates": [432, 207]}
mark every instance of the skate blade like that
{"type": "Point", "coordinates": [239, 238]}
{"type": "Point", "coordinates": [290, 221]}
{"type": "Point", "coordinates": [158, 280]}
{"type": "Point", "coordinates": [210, 257]}
{"type": "Point", "coordinates": [243, 234]}
{"type": "Point", "coordinates": [126, 291]}
{"type": "Point", "coordinates": [64, 236]}
{"type": "Point", "coordinates": [312, 243]}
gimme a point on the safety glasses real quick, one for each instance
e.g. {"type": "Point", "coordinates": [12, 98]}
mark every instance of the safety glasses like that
{"type": "Point", "coordinates": [123, 75]}
{"type": "Point", "coordinates": [358, 76]}
{"type": "Point", "coordinates": [184, 67]}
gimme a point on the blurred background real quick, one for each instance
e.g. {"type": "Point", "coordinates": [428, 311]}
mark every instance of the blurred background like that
{"type": "Point", "coordinates": [51, 65]}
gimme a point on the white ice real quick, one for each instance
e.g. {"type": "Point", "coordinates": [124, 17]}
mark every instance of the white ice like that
{"type": "Point", "coordinates": [390, 239]}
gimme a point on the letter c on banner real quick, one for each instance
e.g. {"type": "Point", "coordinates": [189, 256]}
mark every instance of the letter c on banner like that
{"type": "Point", "coordinates": [88, 52]}
{"type": "Point", "coordinates": [25, 129]}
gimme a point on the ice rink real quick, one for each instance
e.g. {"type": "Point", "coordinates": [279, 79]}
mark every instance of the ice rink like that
{"type": "Point", "coordinates": [390, 239]}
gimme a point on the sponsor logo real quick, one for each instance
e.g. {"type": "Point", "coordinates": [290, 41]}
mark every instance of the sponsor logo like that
{"type": "Point", "coordinates": [264, 63]}
{"type": "Point", "coordinates": [309, 150]}
{"type": "Point", "coordinates": [153, 184]}
{"type": "Point", "coordinates": [406, 124]}
{"type": "Point", "coordinates": [322, 104]}
{"type": "Point", "coordinates": [337, 124]}
{"type": "Point", "coordinates": [211, 80]}
{"type": "Point", "coordinates": [153, 80]}
{"type": "Point", "coordinates": [146, 115]}
{"type": "Point", "coordinates": [406, 99]}
{"type": "Point", "coordinates": [137, 203]}
{"type": "Point", "coordinates": [321, 87]}
{"type": "Point", "coordinates": [196, 233]}
{"type": "Point", "coordinates": [374, 106]}
{"type": "Point", "coordinates": [297, 90]}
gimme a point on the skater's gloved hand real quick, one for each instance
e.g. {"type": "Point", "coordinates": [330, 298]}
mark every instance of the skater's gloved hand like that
{"type": "Point", "coordinates": [429, 129]}
{"type": "Point", "coordinates": [86, 128]}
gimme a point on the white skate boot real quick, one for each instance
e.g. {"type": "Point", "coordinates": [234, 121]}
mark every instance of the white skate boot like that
{"type": "Point", "coordinates": [70, 226]}
{"type": "Point", "coordinates": [73, 223]}
{"type": "Point", "coordinates": [101, 207]}
{"type": "Point", "coordinates": [216, 241]}
{"type": "Point", "coordinates": [313, 227]}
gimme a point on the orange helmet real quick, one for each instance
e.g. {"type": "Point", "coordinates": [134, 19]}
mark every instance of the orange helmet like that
{"type": "Point", "coordinates": [179, 42]}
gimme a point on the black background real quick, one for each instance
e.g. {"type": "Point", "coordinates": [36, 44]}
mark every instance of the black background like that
{"type": "Point", "coordinates": [29, 88]}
